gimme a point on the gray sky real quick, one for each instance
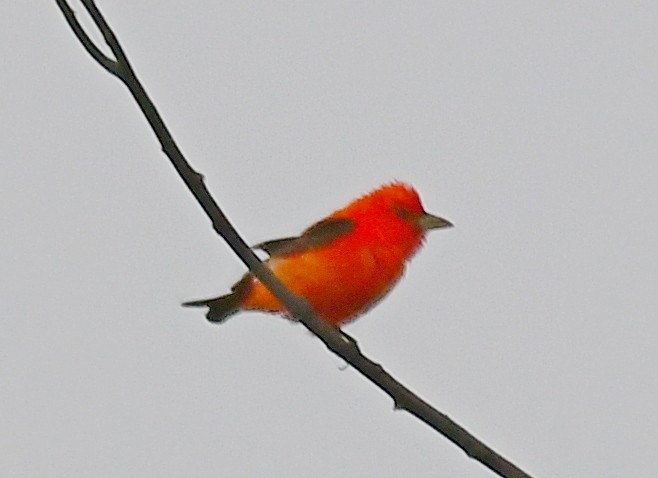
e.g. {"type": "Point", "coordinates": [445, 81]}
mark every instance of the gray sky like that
{"type": "Point", "coordinates": [533, 323]}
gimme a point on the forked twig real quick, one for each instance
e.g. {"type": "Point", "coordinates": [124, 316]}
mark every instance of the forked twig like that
{"type": "Point", "coordinates": [347, 349]}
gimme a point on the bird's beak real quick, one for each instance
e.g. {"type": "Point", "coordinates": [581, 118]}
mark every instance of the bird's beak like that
{"type": "Point", "coordinates": [430, 221]}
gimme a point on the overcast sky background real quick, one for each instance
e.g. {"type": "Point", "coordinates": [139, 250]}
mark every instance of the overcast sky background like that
{"type": "Point", "coordinates": [533, 323]}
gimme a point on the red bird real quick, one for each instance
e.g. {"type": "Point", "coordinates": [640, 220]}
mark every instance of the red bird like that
{"type": "Point", "coordinates": [343, 264]}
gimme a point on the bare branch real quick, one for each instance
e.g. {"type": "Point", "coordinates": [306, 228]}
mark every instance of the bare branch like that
{"type": "Point", "coordinates": [92, 49]}
{"type": "Point", "coordinates": [339, 343]}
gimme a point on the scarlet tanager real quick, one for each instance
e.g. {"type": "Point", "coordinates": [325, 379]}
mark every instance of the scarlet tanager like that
{"type": "Point", "coordinates": [343, 264]}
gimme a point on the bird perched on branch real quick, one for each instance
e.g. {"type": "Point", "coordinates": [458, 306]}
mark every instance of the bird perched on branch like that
{"type": "Point", "coordinates": [342, 264]}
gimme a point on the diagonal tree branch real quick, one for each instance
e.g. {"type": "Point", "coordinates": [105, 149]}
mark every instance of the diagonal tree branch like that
{"type": "Point", "coordinates": [337, 342]}
{"type": "Point", "coordinates": [109, 65]}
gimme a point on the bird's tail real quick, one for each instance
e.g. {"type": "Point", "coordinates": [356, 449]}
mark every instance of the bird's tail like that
{"type": "Point", "coordinates": [219, 308]}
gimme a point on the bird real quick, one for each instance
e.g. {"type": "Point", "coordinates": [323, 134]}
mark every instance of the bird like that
{"type": "Point", "coordinates": [343, 264]}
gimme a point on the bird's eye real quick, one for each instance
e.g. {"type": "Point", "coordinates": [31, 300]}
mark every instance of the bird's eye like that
{"type": "Point", "coordinates": [403, 213]}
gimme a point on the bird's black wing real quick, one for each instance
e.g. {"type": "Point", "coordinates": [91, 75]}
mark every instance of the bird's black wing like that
{"type": "Point", "coordinates": [318, 235]}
